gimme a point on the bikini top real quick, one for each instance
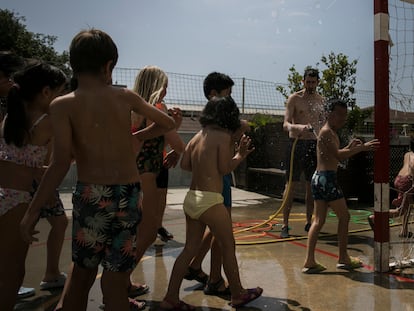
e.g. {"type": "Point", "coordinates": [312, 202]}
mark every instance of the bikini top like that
{"type": "Point", "coordinates": [28, 155]}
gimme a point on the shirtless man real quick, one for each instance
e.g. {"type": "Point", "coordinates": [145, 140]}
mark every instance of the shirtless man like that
{"type": "Point", "coordinates": [304, 117]}
{"type": "Point", "coordinates": [325, 190]}
{"type": "Point", "coordinates": [93, 124]}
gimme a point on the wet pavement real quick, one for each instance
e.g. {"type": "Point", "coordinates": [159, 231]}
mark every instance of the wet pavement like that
{"type": "Point", "coordinates": [264, 260]}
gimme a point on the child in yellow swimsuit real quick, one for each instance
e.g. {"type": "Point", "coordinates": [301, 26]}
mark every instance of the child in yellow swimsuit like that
{"type": "Point", "coordinates": [209, 156]}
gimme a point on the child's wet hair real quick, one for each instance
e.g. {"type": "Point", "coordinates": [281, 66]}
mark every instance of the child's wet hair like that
{"type": "Point", "coordinates": [331, 104]}
{"type": "Point", "coordinates": [216, 81]}
{"type": "Point", "coordinates": [90, 50]}
{"type": "Point", "coordinates": [221, 111]}
{"type": "Point", "coordinates": [28, 84]}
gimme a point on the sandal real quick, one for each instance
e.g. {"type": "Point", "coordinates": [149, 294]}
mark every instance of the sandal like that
{"type": "Point", "coordinates": [213, 288]}
{"type": "Point", "coordinates": [179, 306]}
{"type": "Point", "coordinates": [135, 290]}
{"type": "Point", "coordinates": [196, 274]}
{"type": "Point", "coordinates": [250, 295]}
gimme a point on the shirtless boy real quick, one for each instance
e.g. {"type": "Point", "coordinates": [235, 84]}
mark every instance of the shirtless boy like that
{"type": "Point", "coordinates": [325, 189]}
{"type": "Point", "coordinates": [304, 117]}
{"type": "Point", "coordinates": [209, 156]}
{"type": "Point", "coordinates": [93, 124]}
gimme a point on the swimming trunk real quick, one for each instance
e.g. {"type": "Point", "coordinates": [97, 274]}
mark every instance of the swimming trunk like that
{"type": "Point", "coordinates": [227, 190]}
{"type": "Point", "coordinates": [304, 159]}
{"type": "Point", "coordinates": [403, 184]}
{"type": "Point", "coordinates": [105, 220]}
{"type": "Point", "coordinates": [162, 178]}
{"type": "Point", "coordinates": [196, 202]}
{"type": "Point", "coordinates": [10, 198]}
{"type": "Point", "coordinates": [325, 186]}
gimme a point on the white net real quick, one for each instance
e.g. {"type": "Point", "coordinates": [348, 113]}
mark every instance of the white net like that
{"type": "Point", "coordinates": [401, 84]}
{"type": "Point", "coordinates": [401, 30]}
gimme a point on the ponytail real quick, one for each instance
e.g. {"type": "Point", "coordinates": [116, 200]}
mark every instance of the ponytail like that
{"type": "Point", "coordinates": [28, 84]}
{"type": "Point", "coordinates": [16, 115]}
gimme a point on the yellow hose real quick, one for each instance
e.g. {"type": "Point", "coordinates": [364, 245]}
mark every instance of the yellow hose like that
{"type": "Point", "coordinates": [273, 216]}
{"type": "Point", "coordinates": [287, 191]}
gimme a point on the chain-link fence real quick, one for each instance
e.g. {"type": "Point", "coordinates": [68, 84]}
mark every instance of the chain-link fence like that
{"type": "Point", "coordinates": [252, 96]}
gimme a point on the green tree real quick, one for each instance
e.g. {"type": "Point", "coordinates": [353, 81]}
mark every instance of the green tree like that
{"type": "Point", "coordinates": [338, 78]}
{"type": "Point", "coordinates": [16, 38]}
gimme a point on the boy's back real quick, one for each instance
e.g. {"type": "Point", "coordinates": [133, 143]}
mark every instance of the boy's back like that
{"type": "Point", "coordinates": [97, 119]}
{"type": "Point", "coordinates": [209, 153]}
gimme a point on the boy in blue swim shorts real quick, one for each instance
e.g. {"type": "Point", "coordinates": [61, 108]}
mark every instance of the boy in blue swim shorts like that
{"type": "Point", "coordinates": [325, 190]}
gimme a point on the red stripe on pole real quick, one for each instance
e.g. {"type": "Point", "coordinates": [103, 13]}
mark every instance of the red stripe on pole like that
{"type": "Point", "coordinates": [381, 110]}
{"type": "Point", "coordinates": [382, 228]}
{"type": "Point", "coordinates": [380, 6]}
{"type": "Point", "coordinates": [381, 107]}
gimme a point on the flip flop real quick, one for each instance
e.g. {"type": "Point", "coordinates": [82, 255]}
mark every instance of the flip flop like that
{"type": "Point", "coordinates": [354, 264]}
{"type": "Point", "coordinates": [135, 290]}
{"type": "Point", "coordinates": [25, 292]}
{"type": "Point", "coordinates": [250, 295]}
{"type": "Point", "coordinates": [314, 270]}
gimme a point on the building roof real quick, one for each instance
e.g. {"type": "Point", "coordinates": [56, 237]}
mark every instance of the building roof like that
{"type": "Point", "coordinates": [396, 116]}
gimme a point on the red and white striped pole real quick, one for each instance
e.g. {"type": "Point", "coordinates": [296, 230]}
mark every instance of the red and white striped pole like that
{"type": "Point", "coordinates": [382, 155]}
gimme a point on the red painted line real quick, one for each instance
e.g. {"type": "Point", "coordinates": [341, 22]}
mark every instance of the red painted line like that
{"type": "Point", "coordinates": [381, 228]}
{"type": "Point", "coordinates": [368, 267]}
{"type": "Point", "coordinates": [273, 235]}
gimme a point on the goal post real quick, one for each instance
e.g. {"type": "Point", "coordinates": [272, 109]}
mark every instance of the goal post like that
{"type": "Point", "coordinates": [393, 88]}
{"type": "Point", "coordinates": [381, 130]}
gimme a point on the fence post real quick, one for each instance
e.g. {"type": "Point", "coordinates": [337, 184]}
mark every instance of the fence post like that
{"type": "Point", "coordinates": [243, 92]}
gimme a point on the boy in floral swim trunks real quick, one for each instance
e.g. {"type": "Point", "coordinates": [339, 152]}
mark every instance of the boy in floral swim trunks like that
{"type": "Point", "coordinates": [325, 189]}
{"type": "Point", "coordinates": [93, 124]}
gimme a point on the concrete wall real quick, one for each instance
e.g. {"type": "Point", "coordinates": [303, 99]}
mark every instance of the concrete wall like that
{"type": "Point", "coordinates": [177, 177]}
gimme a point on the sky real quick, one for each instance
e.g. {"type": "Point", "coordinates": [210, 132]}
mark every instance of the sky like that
{"type": "Point", "coordinates": [255, 39]}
